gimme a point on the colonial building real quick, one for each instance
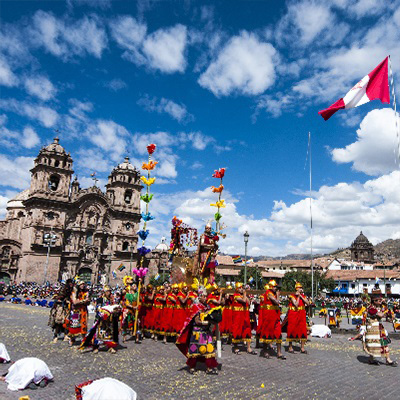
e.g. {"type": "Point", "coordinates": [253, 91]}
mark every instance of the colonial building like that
{"type": "Point", "coordinates": [362, 249]}
{"type": "Point", "coordinates": [55, 230]}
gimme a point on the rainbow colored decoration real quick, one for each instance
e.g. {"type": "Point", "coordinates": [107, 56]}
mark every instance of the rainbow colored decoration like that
{"type": "Point", "coordinates": [220, 203]}
{"type": "Point", "coordinates": [147, 217]}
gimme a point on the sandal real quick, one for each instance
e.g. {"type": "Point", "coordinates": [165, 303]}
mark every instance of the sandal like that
{"type": "Point", "coordinates": [192, 371]}
{"type": "Point", "coordinates": [252, 352]}
{"type": "Point", "coordinates": [291, 351]}
{"type": "Point", "coordinates": [282, 357]}
{"type": "Point", "coordinates": [236, 351]}
{"type": "Point", "coordinates": [211, 371]}
{"type": "Point", "coordinates": [265, 355]}
{"type": "Point", "coordinates": [304, 352]}
{"type": "Point", "coordinates": [392, 364]}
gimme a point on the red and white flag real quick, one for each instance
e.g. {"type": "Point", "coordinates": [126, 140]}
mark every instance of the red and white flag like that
{"type": "Point", "coordinates": [373, 86]}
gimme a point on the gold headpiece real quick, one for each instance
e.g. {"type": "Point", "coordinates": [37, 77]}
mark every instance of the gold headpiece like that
{"type": "Point", "coordinates": [127, 280]}
{"type": "Point", "coordinates": [272, 283]}
{"type": "Point", "coordinates": [298, 285]}
{"type": "Point", "coordinates": [238, 285]}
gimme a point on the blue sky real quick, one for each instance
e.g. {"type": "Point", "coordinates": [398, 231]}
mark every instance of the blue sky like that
{"type": "Point", "coordinates": [213, 84]}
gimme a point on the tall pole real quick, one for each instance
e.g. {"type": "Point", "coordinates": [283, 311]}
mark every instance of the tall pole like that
{"type": "Point", "coordinates": [246, 239]}
{"type": "Point", "coordinates": [256, 276]}
{"type": "Point", "coordinates": [397, 159]}
{"type": "Point", "coordinates": [311, 220]}
{"type": "Point", "coordinates": [47, 262]}
{"type": "Point", "coordinates": [384, 278]}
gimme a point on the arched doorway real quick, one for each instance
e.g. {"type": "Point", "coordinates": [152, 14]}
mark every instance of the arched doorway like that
{"type": "Point", "coordinates": [85, 274]}
{"type": "Point", "coordinates": [5, 278]}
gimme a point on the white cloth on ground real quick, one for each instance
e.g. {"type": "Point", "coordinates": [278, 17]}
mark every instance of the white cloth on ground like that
{"type": "Point", "coordinates": [320, 331]}
{"type": "Point", "coordinates": [108, 389]}
{"type": "Point", "coordinates": [25, 371]}
{"type": "Point", "coordinates": [4, 353]}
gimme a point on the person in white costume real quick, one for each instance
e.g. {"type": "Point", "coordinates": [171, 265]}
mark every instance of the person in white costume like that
{"type": "Point", "coordinates": [26, 372]}
{"type": "Point", "coordinates": [105, 389]}
{"type": "Point", "coordinates": [4, 356]}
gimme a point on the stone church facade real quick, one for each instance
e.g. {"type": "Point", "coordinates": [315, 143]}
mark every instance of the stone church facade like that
{"type": "Point", "coordinates": [55, 230]}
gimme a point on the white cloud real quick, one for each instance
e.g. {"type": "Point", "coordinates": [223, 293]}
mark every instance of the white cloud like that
{"type": "Point", "coordinates": [45, 115]}
{"type": "Point", "coordinates": [29, 138]}
{"type": "Point", "coordinates": [163, 105]}
{"type": "Point", "coordinates": [244, 66]}
{"type": "Point", "coordinates": [116, 84]}
{"type": "Point", "coordinates": [7, 77]}
{"type": "Point", "coordinates": [65, 38]}
{"type": "Point", "coordinates": [339, 213]}
{"type": "Point", "coordinates": [109, 136]}
{"type": "Point", "coordinates": [15, 172]}
{"type": "Point", "coordinates": [374, 150]}
{"type": "Point", "coordinates": [162, 50]}
{"type": "Point", "coordinates": [165, 49]}
{"type": "Point", "coordinates": [40, 87]}
{"type": "Point", "coordinates": [12, 139]}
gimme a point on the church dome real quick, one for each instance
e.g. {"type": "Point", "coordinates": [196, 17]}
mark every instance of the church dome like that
{"type": "Point", "coordinates": [361, 239]}
{"type": "Point", "coordinates": [126, 165]}
{"type": "Point", "coordinates": [55, 147]}
{"type": "Point", "coordinates": [162, 246]}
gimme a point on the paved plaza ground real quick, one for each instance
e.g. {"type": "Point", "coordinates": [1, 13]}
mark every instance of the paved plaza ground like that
{"type": "Point", "coordinates": [333, 369]}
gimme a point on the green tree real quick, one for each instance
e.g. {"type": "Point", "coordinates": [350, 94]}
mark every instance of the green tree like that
{"type": "Point", "coordinates": [320, 281]}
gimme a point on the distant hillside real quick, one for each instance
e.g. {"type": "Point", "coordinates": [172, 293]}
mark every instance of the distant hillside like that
{"type": "Point", "coordinates": [389, 248]}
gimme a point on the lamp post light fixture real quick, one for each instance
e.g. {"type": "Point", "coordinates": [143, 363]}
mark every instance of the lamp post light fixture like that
{"type": "Point", "coordinates": [49, 239]}
{"type": "Point", "coordinates": [246, 240]}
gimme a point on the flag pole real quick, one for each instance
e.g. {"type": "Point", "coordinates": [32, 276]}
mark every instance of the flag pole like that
{"type": "Point", "coordinates": [397, 157]}
{"type": "Point", "coordinates": [311, 221]}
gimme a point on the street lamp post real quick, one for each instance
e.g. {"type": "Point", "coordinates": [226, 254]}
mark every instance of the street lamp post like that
{"type": "Point", "coordinates": [49, 239]}
{"type": "Point", "coordinates": [246, 240]}
{"type": "Point", "coordinates": [256, 276]}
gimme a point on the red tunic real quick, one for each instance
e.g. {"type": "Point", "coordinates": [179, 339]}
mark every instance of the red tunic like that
{"type": "Point", "coordinates": [241, 329]}
{"type": "Point", "coordinates": [189, 302]}
{"type": "Point", "coordinates": [297, 321]}
{"type": "Point", "coordinates": [148, 319]}
{"type": "Point", "coordinates": [158, 307]}
{"type": "Point", "coordinates": [167, 321]}
{"type": "Point", "coordinates": [212, 299]}
{"type": "Point", "coordinates": [225, 325]}
{"type": "Point", "coordinates": [269, 329]}
{"type": "Point", "coordinates": [179, 312]}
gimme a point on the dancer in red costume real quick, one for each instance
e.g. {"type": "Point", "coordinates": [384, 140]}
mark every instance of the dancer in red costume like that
{"type": "Point", "coordinates": [158, 307]}
{"type": "Point", "coordinates": [297, 319]}
{"type": "Point", "coordinates": [270, 320]}
{"type": "Point", "coordinates": [147, 323]}
{"type": "Point", "coordinates": [241, 330]}
{"type": "Point", "coordinates": [226, 324]}
{"type": "Point", "coordinates": [180, 314]}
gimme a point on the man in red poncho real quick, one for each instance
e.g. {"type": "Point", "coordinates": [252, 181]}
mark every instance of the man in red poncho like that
{"type": "Point", "coordinates": [297, 319]}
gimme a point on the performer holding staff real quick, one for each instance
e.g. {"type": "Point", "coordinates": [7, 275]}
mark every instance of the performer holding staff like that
{"type": "Point", "coordinates": [297, 319]}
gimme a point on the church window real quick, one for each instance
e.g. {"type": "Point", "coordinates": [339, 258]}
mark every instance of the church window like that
{"type": "Point", "coordinates": [56, 163]}
{"type": "Point", "coordinates": [130, 179]}
{"type": "Point", "coordinates": [54, 182]}
{"type": "Point", "coordinates": [128, 226]}
{"type": "Point", "coordinates": [6, 251]}
{"type": "Point", "coordinates": [128, 196]}
{"type": "Point", "coordinates": [89, 237]}
{"type": "Point", "coordinates": [125, 246]}
{"type": "Point", "coordinates": [50, 215]}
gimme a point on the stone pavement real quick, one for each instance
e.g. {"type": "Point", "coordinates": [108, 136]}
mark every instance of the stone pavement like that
{"type": "Point", "coordinates": [333, 369]}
